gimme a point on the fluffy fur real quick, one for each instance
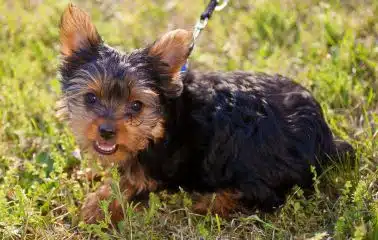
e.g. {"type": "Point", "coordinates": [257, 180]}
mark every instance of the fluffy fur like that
{"type": "Point", "coordinates": [247, 137]}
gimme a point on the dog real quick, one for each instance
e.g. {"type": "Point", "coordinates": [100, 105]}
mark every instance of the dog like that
{"type": "Point", "coordinates": [246, 137]}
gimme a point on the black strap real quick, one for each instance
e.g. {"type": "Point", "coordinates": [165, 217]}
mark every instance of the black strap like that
{"type": "Point", "coordinates": [209, 10]}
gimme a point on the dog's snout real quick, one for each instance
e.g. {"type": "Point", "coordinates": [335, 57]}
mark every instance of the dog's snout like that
{"type": "Point", "coordinates": [107, 130]}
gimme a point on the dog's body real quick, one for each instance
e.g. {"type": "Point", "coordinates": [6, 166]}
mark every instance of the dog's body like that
{"type": "Point", "coordinates": [247, 137]}
{"type": "Point", "coordinates": [253, 136]}
{"type": "Point", "coordinates": [254, 133]}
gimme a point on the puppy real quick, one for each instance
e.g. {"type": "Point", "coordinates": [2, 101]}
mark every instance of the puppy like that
{"type": "Point", "coordinates": [246, 137]}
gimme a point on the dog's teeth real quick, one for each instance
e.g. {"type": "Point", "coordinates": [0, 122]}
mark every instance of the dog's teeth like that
{"type": "Point", "coordinates": [106, 149]}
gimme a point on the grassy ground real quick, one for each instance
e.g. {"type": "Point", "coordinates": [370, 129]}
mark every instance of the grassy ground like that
{"type": "Point", "coordinates": [329, 46]}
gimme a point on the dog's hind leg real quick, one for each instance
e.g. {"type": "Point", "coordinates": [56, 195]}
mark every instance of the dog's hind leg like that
{"type": "Point", "coordinates": [343, 153]}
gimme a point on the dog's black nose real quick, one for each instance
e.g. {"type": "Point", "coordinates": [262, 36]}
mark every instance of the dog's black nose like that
{"type": "Point", "coordinates": [107, 131]}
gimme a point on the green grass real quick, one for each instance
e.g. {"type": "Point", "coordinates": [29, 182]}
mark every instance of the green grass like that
{"type": "Point", "coordinates": [329, 46]}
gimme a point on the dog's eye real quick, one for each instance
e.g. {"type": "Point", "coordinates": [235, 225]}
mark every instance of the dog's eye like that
{"type": "Point", "coordinates": [136, 106]}
{"type": "Point", "coordinates": [90, 98]}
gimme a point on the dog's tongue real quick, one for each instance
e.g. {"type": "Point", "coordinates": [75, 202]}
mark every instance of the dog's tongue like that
{"type": "Point", "coordinates": [106, 143]}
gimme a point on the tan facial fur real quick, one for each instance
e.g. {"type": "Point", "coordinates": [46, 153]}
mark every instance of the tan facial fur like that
{"type": "Point", "coordinates": [132, 133]}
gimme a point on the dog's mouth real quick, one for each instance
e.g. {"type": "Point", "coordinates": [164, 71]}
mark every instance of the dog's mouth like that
{"type": "Point", "coordinates": [105, 148]}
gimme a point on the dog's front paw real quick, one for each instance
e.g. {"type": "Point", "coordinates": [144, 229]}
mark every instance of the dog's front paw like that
{"type": "Point", "coordinates": [91, 211]}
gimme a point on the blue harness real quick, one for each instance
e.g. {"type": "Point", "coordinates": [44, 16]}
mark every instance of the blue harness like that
{"type": "Point", "coordinates": [184, 68]}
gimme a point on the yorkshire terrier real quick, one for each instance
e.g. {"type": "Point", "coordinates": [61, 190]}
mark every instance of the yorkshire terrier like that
{"type": "Point", "coordinates": [246, 137]}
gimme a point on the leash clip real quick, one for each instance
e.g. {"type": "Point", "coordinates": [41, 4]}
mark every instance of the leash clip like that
{"type": "Point", "coordinates": [200, 25]}
{"type": "Point", "coordinates": [214, 5]}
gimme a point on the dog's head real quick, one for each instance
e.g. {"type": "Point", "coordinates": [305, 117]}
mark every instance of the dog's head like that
{"type": "Point", "coordinates": [113, 100]}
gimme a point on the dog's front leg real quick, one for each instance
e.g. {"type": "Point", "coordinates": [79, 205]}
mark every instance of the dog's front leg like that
{"type": "Point", "coordinates": [91, 211]}
{"type": "Point", "coordinates": [129, 191]}
{"type": "Point", "coordinates": [133, 181]}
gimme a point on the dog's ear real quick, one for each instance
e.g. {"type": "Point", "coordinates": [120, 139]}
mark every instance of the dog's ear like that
{"type": "Point", "coordinates": [77, 32]}
{"type": "Point", "coordinates": [171, 52]}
